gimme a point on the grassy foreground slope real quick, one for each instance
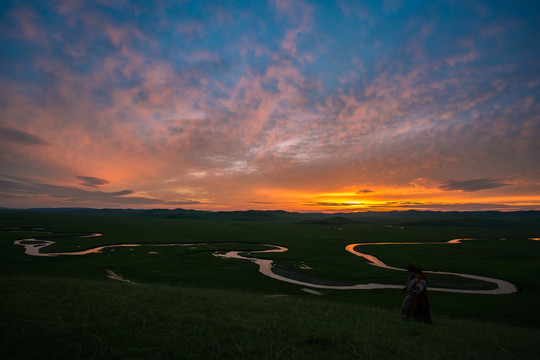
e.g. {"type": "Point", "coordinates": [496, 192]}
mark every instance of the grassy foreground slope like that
{"type": "Point", "coordinates": [45, 318]}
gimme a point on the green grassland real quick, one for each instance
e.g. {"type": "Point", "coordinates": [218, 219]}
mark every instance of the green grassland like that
{"type": "Point", "coordinates": [67, 318]}
{"type": "Point", "coordinates": [190, 304]}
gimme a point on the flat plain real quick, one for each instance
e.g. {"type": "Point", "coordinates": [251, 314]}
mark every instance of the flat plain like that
{"type": "Point", "coordinates": [501, 247]}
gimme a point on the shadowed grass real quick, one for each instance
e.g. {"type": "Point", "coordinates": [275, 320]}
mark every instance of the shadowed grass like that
{"type": "Point", "coordinates": [44, 317]}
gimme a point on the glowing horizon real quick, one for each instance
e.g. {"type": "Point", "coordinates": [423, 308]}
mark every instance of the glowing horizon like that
{"type": "Point", "coordinates": [311, 106]}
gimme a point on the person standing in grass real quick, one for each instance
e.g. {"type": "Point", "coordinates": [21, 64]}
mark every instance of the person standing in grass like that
{"type": "Point", "coordinates": [410, 288]}
{"type": "Point", "coordinates": [419, 306]}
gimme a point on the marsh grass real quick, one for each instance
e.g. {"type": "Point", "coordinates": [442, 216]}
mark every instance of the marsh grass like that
{"type": "Point", "coordinates": [45, 317]}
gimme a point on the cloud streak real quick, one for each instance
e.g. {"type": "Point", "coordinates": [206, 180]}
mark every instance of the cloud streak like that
{"type": "Point", "coordinates": [472, 185]}
{"type": "Point", "coordinates": [21, 137]}
{"type": "Point", "coordinates": [25, 188]}
{"type": "Point", "coordinates": [91, 181]}
{"type": "Point", "coordinates": [364, 191]}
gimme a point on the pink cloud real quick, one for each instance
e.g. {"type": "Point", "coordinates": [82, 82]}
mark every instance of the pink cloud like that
{"type": "Point", "coordinates": [463, 58]}
{"type": "Point", "coordinates": [300, 15]}
{"type": "Point", "coordinates": [192, 29]}
{"type": "Point", "coordinates": [27, 21]}
{"type": "Point", "coordinates": [69, 6]}
{"type": "Point", "coordinates": [353, 8]}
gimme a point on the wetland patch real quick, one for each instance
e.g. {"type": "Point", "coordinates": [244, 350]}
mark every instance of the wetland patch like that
{"type": "Point", "coordinates": [38, 247]}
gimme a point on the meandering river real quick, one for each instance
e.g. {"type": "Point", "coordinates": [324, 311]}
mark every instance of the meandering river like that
{"type": "Point", "coordinates": [34, 247]}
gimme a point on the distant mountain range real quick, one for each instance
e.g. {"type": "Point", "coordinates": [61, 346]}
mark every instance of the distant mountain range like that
{"type": "Point", "coordinates": [403, 218]}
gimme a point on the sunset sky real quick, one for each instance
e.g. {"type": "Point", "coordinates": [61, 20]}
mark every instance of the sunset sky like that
{"type": "Point", "coordinates": [296, 105]}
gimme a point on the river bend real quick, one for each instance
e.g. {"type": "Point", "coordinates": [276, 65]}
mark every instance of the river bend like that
{"type": "Point", "coordinates": [34, 247]}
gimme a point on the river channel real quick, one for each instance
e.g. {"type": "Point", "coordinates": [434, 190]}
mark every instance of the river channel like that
{"type": "Point", "coordinates": [267, 267]}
